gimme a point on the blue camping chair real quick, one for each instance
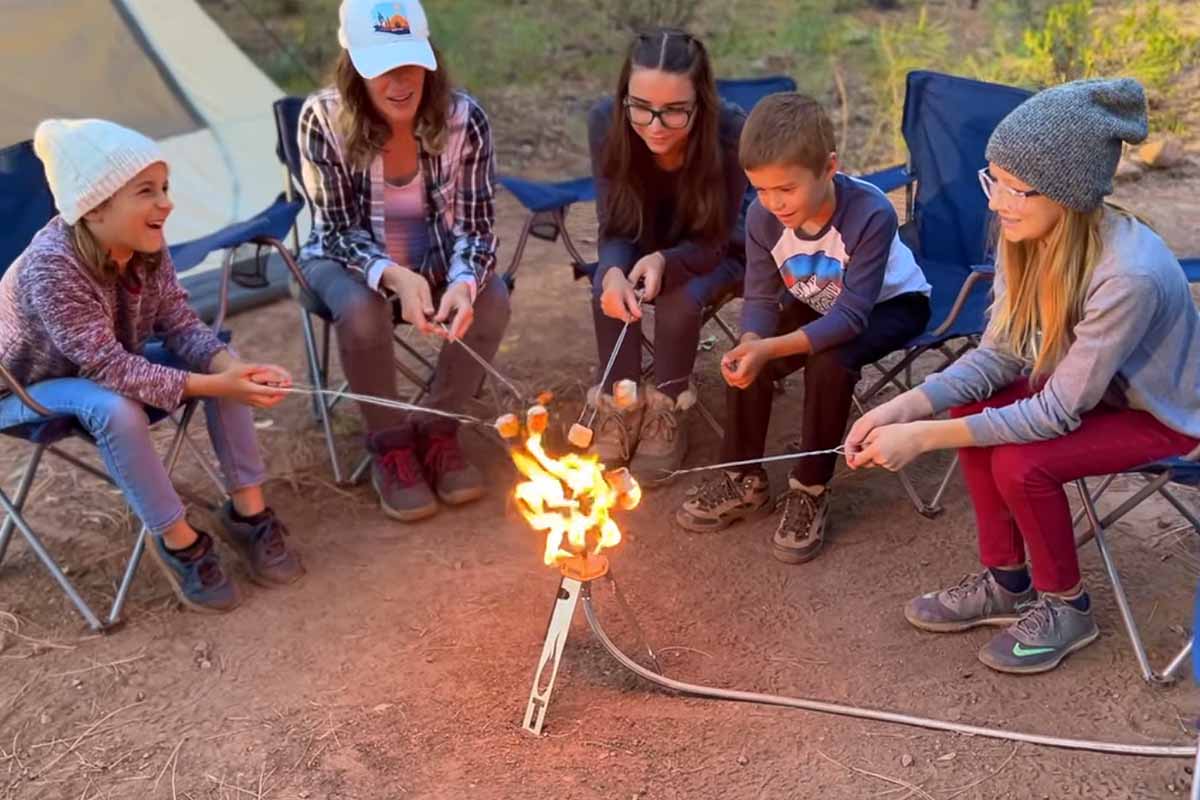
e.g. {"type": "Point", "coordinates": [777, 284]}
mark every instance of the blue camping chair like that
{"type": "Point", "coordinates": [26, 205]}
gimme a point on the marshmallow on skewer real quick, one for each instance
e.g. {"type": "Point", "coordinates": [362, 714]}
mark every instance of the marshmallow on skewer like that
{"type": "Point", "coordinates": [580, 436]}
{"type": "Point", "coordinates": [625, 393]}
{"type": "Point", "coordinates": [537, 418]}
{"type": "Point", "coordinates": [509, 426]}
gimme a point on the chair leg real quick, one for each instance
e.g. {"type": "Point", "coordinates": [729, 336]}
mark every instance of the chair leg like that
{"type": "Point", "coordinates": [317, 378]}
{"type": "Point", "coordinates": [204, 462]}
{"type": "Point", "coordinates": [48, 562]}
{"type": "Point", "coordinates": [19, 501]}
{"type": "Point", "coordinates": [1183, 510]}
{"type": "Point", "coordinates": [1131, 627]}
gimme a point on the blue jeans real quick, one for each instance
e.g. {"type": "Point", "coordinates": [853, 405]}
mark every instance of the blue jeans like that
{"type": "Point", "coordinates": [121, 429]}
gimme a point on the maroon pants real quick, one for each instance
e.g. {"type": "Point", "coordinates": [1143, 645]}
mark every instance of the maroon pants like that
{"type": "Point", "coordinates": [1017, 489]}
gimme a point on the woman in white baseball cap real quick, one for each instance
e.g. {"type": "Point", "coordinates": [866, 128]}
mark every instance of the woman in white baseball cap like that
{"type": "Point", "coordinates": [398, 166]}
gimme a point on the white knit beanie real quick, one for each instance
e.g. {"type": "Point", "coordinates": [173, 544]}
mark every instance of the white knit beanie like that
{"type": "Point", "coordinates": [88, 160]}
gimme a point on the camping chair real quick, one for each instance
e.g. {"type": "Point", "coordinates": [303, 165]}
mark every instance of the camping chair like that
{"type": "Point", "coordinates": [419, 374]}
{"type": "Point", "coordinates": [26, 205]}
{"type": "Point", "coordinates": [946, 125]}
{"type": "Point", "coordinates": [1157, 480]}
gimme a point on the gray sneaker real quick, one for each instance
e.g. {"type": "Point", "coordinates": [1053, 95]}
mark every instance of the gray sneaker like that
{"type": "Point", "coordinates": [975, 600]}
{"type": "Point", "coordinates": [662, 442]}
{"type": "Point", "coordinates": [261, 545]}
{"type": "Point", "coordinates": [801, 530]}
{"type": "Point", "coordinates": [722, 500]}
{"type": "Point", "coordinates": [455, 479]}
{"type": "Point", "coordinates": [1050, 630]}
{"type": "Point", "coordinates": [616, 430]}
{"type": "Point", "coordinates": [397, 476]}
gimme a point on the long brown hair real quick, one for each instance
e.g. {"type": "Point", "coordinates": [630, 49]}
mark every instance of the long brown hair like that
{"type": "Point", "coordinates": [1046, 284]}
{"type": "Point", "coordinates": [628, 164]}
{"type": "Point", "coordinates": [366, 131]}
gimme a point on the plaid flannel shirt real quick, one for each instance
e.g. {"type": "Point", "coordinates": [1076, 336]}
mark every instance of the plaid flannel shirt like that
{"type": "Point", "coordinates": [348, 203]}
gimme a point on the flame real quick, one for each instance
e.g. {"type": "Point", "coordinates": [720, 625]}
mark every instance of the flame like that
{"type": "Point", "coordinates": [570, 499]}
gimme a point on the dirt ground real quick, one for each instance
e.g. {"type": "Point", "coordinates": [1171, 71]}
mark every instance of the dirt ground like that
{"type": "Point", "coordinates": [400, 667]}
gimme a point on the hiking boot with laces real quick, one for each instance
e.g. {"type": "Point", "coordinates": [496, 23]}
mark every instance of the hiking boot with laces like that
{"type": "Point", "coordinates": [397, 476]}
{"type": "Point", "coordinates": [801, 530]}
{"type": "Point", "coordinates": [722, 500]}
{"type": "Point", "coordinates": [455, 479]}
{"type": "Point", "coordinates": [615, 430]}
{"type": "Point", "coordinates": [975, 600]}
{"type": "Point", "coordinates": [1049, 630]}
{"type": "Point", "coordinates": [196, 575]}
{"type": "Point", "coordinates": [662, 442]}
{"type": "Point", "coordinates": [260, 543]}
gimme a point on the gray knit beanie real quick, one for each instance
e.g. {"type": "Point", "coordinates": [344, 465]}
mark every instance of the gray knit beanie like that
{"type": "Point", "coordinates": [1065, 141]}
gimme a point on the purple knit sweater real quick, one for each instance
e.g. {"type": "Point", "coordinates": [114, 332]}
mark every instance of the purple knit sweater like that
{"type": "Point", "coordinates": [59, 321]}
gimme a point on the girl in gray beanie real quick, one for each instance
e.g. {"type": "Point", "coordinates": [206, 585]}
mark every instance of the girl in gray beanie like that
{"type": "Point", "coordinates": [1090, 366]}
{"type": "Point", "coordinates": [77, 310]}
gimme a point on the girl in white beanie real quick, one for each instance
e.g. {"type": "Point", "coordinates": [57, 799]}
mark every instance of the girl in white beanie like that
{"type": "Point", "coordinates": [77, 309]}
{"type": "Point", "coordinates": [1090, 366]}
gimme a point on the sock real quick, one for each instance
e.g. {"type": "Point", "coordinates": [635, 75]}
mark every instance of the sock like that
{"type": "Point", "coordinates": [1080, 602]}
{"type": "Point", "coordinates": [1014, 581]}
{"type": "Point", "coordinates": [253, 519]}
{"type": "Point", "coordinates": [192, 551]}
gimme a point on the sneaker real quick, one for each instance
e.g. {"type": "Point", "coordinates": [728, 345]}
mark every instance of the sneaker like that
{"type": "Point", "coordinates": [1050, 630]}
{"type": "Point", "coordinates": [801, 530]}
{"type": "Point", "coordinates": [662, 441]}
{"type": "Point", "coordinates": [455, 479]}
{"type": "Point", "coordinates": [260, 544]}
{"type": "Point", "coordinates": [975, 600]}
{"type": "Point", "coordinates": [397, 476]}
{"type": "Point", "coordinates": [723, 500]}
{"type": "Point", "coordinates": [616, 430]}
{"type": "Point", "coordinates": [196, 575]}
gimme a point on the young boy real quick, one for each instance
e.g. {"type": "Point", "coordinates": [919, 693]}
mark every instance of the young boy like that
{"type": "Point", "coordinates": [829, 287]}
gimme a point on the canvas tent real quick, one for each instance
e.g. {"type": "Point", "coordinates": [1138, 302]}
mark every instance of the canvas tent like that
{"type": "Point", "coordinates": [162, 67]}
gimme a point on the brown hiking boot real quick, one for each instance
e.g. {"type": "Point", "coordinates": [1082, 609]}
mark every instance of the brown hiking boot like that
{"type": "Point", "coordinates": [397, 476]}
{"type": "Point", "coordinates": [801, 530]}
{"type": "Point", "coordinates": [455, 479]}
{"type": "Point", "coordinates": [662, 442]}
{"type": "Point", "coordinates": [722, 500]}
{"type": "Point", "coordinates": [616, 430]}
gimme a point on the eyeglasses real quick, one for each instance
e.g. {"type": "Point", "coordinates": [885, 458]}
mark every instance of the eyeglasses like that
{"type": "Point", "coordinates": [1010, 198]}
{"type": "Point", "coordinates": [670, 118]}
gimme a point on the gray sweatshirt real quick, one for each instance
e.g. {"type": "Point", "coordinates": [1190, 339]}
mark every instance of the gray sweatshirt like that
{"type": "Point", "coordinates": [1137, 346]}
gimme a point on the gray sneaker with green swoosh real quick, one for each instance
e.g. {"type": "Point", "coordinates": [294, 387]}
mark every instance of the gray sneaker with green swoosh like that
{"type": "Point", "coordinates": [1050, 630]}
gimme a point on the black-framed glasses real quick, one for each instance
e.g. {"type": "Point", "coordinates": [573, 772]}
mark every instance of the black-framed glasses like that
{"type": "Point", "coordinates": [670, 118]}
{"type": "Point", "coordinates": [1011, 198]}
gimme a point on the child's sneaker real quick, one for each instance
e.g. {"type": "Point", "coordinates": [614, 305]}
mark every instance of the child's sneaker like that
{"type": "Point", "coordinates": [801, 530]}
{"type": "Point", "coordinates": [196, 575]}
{"type": "Point", "coordinates": [1050, 630]}
{"type": "Point", "coordinates": [724, 499]}
{"type": "Point", "coordinates": [259, 541]}
{"type": "Point", "coordinates": [616, 430]}
{"type": "Point", "coordinates": [975, 600]}
{"type": "Point", "coordinates": [397, 476]}
{"type": "Point", "coordinates": [455, 479]}
{"type": "Point", "coordinates": [662, 441]}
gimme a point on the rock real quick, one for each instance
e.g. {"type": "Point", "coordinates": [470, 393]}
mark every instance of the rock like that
{"type": "Point", "coordinates": [379, 709]}
{"type": "Point", "coordinates": [743, 759]}
{"type": "Point", "coordinates": [906, 760]}
{"type": "Point", "coordinates": [78, 684]}
{"type": "Point", "coordinates": [1171, 788]}
{"type": "Point", "coordinates": [1162, 153]}
{"type": "Point", "coordinates": [1129, 170]}
{"type": "Point", "coordinates": [947, 757]}
{"type": "Point", "coordinates": [205, 664]}
{"type": "Point", "coordinates": [141, 696]}
{"type": "Point", "coordinates": [44, 718]}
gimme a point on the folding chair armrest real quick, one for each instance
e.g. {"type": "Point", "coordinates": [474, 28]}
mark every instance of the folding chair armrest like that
{"type": "Point", "coordinates": [23, 395]}
{"type": "Point", "coordinates": [890, 179]}
{"type": "Point", "coordinates": [979, 272]}
{"type": "Point", "coordinates": [227, 273]}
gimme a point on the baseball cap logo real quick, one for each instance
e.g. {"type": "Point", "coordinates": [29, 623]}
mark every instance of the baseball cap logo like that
{"type": "Point", "coordinates": [391, 18]}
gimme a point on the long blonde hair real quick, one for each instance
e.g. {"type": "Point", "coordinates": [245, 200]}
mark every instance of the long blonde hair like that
{"type": "Point", "coordinates": [366, 132]}
{"type": "Point", "coordinates": [96, 258]}
{"type": "Point", "coordinates": [1046, 285]}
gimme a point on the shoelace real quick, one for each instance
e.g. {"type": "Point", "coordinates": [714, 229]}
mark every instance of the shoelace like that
{"type": "Point", "coordinates": [717, 490]}
{"type": "Point", "coordinates": [614, 421]}
{"type": "Point", "coordinates": [271, 540]}
{"type": "Point", "coordinates": [444, 455]}
{"type": "Point", "coordinates": [1038, 617]}
{"type": "Point", "coordinates": [660, 424]}
{"type": "Point", "coordinates": [799, 511]}
{"type": "Point", "coordinates": [966, 585]}
{"type": "Point", "coordinates": [402, 463]}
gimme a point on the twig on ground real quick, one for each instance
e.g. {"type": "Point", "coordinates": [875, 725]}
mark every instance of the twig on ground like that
{"type": "Point", "coordinates": [673, 648]}
{"type": "Point", "coordinates": [989, 776]}
{"type": "Point", "coordinates": [894, 781]}
{"type": "Point", "coordinates": [169, 762]}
